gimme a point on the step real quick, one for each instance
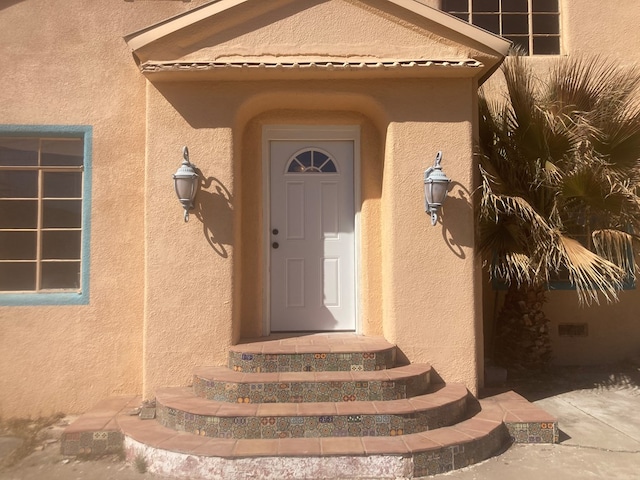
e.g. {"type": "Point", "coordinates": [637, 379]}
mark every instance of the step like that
{"type": "Point", "coordinates": [224, 385]}
{"type": "Point", "coordinates": [313, 353]}
{"type": "Point", "coordinates": [180, 409]}
{"type": "Point", "coordinates": [186, 455]}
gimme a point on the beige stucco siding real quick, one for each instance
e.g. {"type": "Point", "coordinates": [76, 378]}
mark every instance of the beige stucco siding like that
{"type": "Point", "coordinates": [66, 64]}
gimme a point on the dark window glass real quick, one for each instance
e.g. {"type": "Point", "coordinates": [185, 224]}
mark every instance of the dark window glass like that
{"type": "Point", "coordinates": [18, 214]}
{"type": "Point", "coordinates": [305, 159]}
{"type": "Point", "coordinates": [62, 152]}
{"type": "Point", "coordinates": [462, 16]}
{"type": "Point", "coordinates": [455, 5]}
{"type": "Point", "coordinates": [515, 6]}
{"type": "Point", "coordinates": [520, 42]}
{"type": "Point", "coordinates": [486, 6]}
{"type": "Point", "coordinates": [515, 24]}
{"type": "Point", "coordinates": [62, 213]}
{"type": "Point", "coordinates": [546, 45]}
{"type": "Point", "coordinates": [18, 152]}
{"type": "Point", "coordinates": [60, 275]}
{"type": "Point", "coordinates": [18, 245]}
{"type": "Point", "coordinates": [490, 22]}
{"type": "Point", "coordinates": [546, 23]}
{"type": "Point", "coordinates": [17, 276]}
{"type": "Point", "coordinates": [18, 184]}
{"type": "Point", "coordinates": [62, 185]}
{"type": "Point", "coordinates": [61, 245]}
{"type": "Point", "coordinates": [544, 5]}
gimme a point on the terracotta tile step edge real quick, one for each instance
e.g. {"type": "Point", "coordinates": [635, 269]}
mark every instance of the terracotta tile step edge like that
{"type": "Point", "coordinates": [318, 343]}
{"type": "Point", "coordinates": [485, 426]}
{"type": "Point", "coordinates": [220, 383]}
{"type": "Point", "coordinates": [183, 399]}
{"type": "Point", "coordinates": [180, 410]}
{"type": "Point", "coordinates": [224, 374]}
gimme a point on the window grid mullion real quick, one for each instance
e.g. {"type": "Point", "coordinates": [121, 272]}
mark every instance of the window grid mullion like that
{"type": "Point", "coordinates": [39, 221]}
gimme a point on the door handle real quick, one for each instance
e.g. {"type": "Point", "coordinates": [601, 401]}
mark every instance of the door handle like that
{"type": "Point", "coordinates": [275, 231]}
{"type": "Point", "coordinates": [275, 244]}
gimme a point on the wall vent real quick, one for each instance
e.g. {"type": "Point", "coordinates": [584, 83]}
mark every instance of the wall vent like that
{"type": "Point", "coordinates": [573, 330]}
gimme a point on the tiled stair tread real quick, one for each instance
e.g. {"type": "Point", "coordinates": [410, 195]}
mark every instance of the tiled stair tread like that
{"type": "Point", "coordinates": [316, 343]}
{"type": "Point", "coordinates": [153, 434]}
{"type": "Point", "coordinates": [183, 399]}
{"type": "Point", "coordinates": [224, 374]}
{"type": "Point", "coordinates": [102, 415]}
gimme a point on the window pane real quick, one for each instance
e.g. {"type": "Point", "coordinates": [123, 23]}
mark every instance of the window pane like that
{"type": "Point", "coordinates": [62, 213]}
{"type": "Point", "coordinates": [455, 5]}
{"type": "Point", "coordinates": [18, 214]}
{"type": "Point", "coordinates": [546, 45]}
{"type": "Point", "coordinates": [486, 6]}
{"type": "Point", "coordinates": [489, 22]}
{"type": "Point", "coordinates": [515, 24]}
{"type": "Point", "coordinates": [519, 41]}
{"type": "Point", "coordinates": [18, 245]}
{"type": "Point", "coordinates": [18, 151]}
{"type": "Point", "coordinates": [515, 6]}
{"type": "Point", "coordinates": [63, 184]}
{"type": "Point", "coordinates": [60, 275]}
{"type": "Point", "coordinates": [17, 276]}
{"type": "Point", "coordinates": [546, 23]}
{"type": "Point", "coordinates": [62, 152]}
{"type": "Point", "coordinates": [462, 16]}
{"type": "Point", "coordinates": [18, 184]}
{"type": "Point", "coordinates": [61, 245]}
{"type": "Point", "coordinates": [544, 5]}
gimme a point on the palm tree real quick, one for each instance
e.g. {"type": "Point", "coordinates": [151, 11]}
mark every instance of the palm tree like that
{"type": "Point", "coordinates": [560, 172]}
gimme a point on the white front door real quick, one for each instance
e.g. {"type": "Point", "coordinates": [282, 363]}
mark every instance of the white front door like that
{"type": "Point", "coordinates": [312, 239]}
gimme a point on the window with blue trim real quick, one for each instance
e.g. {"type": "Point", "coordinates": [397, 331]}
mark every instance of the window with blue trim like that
{"type": "Point", "coordinates": [44, 214]}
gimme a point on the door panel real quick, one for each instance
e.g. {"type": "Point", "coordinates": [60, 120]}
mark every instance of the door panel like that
{"type": "Point", "coordinates": [312, 277]}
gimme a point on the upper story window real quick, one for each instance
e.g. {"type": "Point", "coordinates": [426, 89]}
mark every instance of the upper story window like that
{"type": "Point", "coordinates": [43, 214]}
{"type": "Point", "coordinates": [311, 161]}
{"type": "Point", "coordinates": [532, 25]}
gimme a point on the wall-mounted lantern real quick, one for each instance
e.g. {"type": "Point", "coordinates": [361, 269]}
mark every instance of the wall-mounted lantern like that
{"type": "Point", "coordinates": [186, 183]}
{"type": "Point", "coordinates": [436, 184]}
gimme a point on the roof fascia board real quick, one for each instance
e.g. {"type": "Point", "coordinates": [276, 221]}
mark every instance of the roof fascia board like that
{"type": "Point", "coordinates": [141, 38]}
{"type": "Point", "coordinates": [150, 34]}
{"type": "Point", "coordinates": [494, 42]}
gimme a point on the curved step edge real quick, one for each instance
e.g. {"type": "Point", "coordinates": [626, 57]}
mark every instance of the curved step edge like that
{"type": "Point", "coordinates": [222, 384]}
{"type": "Point", "coordinates": [184, 455]}
{"type": "Point", "coordinates": [179, 409]}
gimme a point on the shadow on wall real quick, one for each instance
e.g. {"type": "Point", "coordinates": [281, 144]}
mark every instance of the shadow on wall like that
{"type": "Point", "coordinates": [8, 3]}
{"type": "Point", "coordinates": [457, 206]}
{"type": "Point", "coordinates": [214, 208]}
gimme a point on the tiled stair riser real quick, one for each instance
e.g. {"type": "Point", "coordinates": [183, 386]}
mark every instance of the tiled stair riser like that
{"type": "Point", "coordinates": [92, 443]}
{"type": "Point", "coordinates": [312, 426]}
{"type": "Point", "coordinates": [297, 392]}
{"type": "Point", "coordinates": [312, 362]}
{"type": "Point", "coordinates": [450, 458]}
{"type": "Point", "coordinates": [534, 432]}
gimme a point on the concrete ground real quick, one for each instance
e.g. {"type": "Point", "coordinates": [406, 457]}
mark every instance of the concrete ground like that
{"type": "Point", "coordinates": [598, 411]}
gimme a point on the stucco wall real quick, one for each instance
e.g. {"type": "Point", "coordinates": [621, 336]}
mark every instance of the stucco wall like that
{"type": "Point", "coordinates": [66, 63]}
{"type": "Point", "coordinates": [166, 296]}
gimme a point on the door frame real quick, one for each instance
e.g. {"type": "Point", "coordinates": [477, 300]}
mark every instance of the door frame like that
{"type": "Point", "coordinates": [303, 133]}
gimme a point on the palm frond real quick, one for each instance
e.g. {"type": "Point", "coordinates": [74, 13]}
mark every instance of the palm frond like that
{"type": "Point", "coordinates": [591, 274]}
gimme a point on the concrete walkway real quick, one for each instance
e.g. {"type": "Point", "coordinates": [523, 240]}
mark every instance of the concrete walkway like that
{"type": "Point", "coordinates": [599, 436]}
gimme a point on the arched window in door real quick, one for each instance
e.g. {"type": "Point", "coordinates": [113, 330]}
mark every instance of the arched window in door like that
{"type": "Point", "coordinates": [311, 161]}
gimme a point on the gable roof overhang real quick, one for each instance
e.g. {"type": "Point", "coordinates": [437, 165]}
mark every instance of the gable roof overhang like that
{"type": "Point", "coordinates": [495, 48]}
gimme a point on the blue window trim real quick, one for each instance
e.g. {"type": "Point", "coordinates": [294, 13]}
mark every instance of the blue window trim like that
{"type": "Point", "coordinates": [67, 131]}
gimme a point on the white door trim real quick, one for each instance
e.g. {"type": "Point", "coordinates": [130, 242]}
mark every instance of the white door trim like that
{"type": "Point", "coordinates": [311, 133]}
